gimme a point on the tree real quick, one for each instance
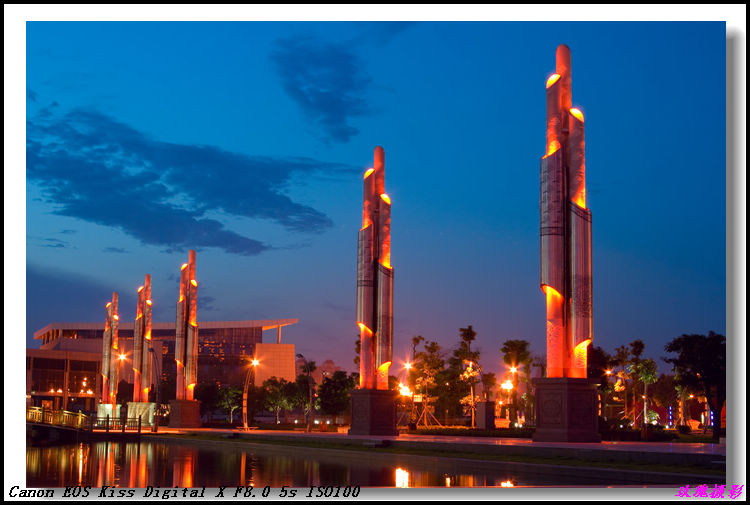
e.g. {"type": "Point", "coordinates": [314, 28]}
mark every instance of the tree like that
{"type": "Point", "coordinates": [636, 349]}
{"type": "Point", "coordinates": [541, 362]}
{"type": "Point", "coordinates": [489, 381]}
{"type": "Point", "coordinates": [515, 354]}
{"type": "Point", "coordinates": [230, 399]}
{"type": "Point", "coordinates": [598, 363]}
{"type": "Point", "coordinates": [428, 363]}
{"type": "Point", "coordinates": [277, 396]}
{"type": "Point", "coordinates": [701, 364]}
{"type": "Point", "coordinates": [645, 371]}
{"type": "Point", "coordinates": [308, 368]}
{"type": "Point", "coordinates": [450, 396]}
{"type": "Point", "coordinates": [622, 357]}
{"type": "Point", "coordinates": [256, 401]}
{"type": "Point", "coordinates": [334, 393]}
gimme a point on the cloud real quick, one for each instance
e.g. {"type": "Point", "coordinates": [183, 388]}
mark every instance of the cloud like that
{"type": "Point", "coordinates": [325, 80]}
{"type": "Point", "coordinates": [68, 232]}
{"type": "Point", "coordinates": [95, 168]}
{"type": "Point", "coordinates": [31, 95]}
{"type": "Point", "coordinates": [206, 303]}
{"type": "Point", "coordinates": [50, 242]}
{"type": "Point", "coordinates": [114, 250]}
{"type": "Point", "coordinates": [55, 295]}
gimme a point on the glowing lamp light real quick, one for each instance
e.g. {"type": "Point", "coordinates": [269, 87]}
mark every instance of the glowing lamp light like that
{"type": "Point", "coordinates": [553, 147]}
{"type": "Point", "coordinates": [552, 79]}
{"type": "Point", "coordinates": [608, 372]}
{"type": "Point", "coordinates": [576, 113]}
{"type": "Point", "coordinates": [507, 483]}
{"type": "Point", "coordinates": [116, 317]}
{"type": "Point", "coordinates": [148, 302]}
{"type": "Point", "coordinates": [108, 304]}
{"type": "Point", "coordinates": [404, 390]}
{"type": "Point", "coordinates": [386, 198]}
{"type": "Point", "coordinates": [255, 362]}
{"type": "Point", "coordinates": [140, 289]}
{"type": "Point", "coordinates": [369, 171]}
{"type": "Point", "coordinates": [407, 366]}
{"type": "Point", "coordinates": [59, 390]}
{"type": "Point", "coordinates": [507, 385]}
{"type": "Point", "coordinates": [122, 357]}
{"type": "Point", "coordinates": [513, 369]}
{"type": "Point", "coordinates": [184, 266]}
{"type": "Point", "coordinates": [194, 282]}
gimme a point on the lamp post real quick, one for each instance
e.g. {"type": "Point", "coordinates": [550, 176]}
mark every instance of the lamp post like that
{"type": "Point", "coordinates": [507, 386]}
{"type": "Point", "coordinates": [514, 371]}
{"type": "Point", "coordinates": [604, 394]}
{"type": "Point", "coordinates": [249, 377]}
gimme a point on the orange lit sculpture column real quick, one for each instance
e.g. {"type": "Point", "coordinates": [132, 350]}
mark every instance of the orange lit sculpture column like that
{"type": "Point", "coordinates": [566, 400]}
{"type": "Point", "coordinates": [373, 405]}
{"type": "Point", "coordinates": [110, 357]}
{"type": "Point", "coordinates": [184, 411]}
{"type": "Point", "coordinates": [140, 406]}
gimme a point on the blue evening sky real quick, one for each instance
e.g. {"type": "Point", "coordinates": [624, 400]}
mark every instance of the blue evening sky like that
{"type": "Point", "coordinates": [247, 141]}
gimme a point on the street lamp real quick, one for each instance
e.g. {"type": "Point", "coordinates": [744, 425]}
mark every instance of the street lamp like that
{"type": "Point", "coordinates": [249, 377]}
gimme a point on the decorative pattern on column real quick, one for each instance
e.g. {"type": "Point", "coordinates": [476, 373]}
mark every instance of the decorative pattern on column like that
{"type": "Point", "coordinates": [186, 332]}
{"type": "Point", "coordinates": [565, 230]}
{"type": "Point", "coordinates": [375, 280]}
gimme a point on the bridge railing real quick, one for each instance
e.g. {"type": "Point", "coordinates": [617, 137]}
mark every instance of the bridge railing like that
{"type": "Point", "coordinates": [57, 417]}
{"type": "Point", "coordinates": [81, 421]}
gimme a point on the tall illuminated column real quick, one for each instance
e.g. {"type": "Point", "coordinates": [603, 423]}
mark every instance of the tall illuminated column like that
{"type": "Point", "coordinates": [373, 405]}
{"type": "Point", "coordinates": [375, 280]}
{"type": "Point", "coordinates": [186, 336]}
{"type": "Point", "coordinates": [184, 411]}
{"type": "Point", "coordinates": [110, 353]}
{"type": "Point", "coordinates": [566, 403]}
{"type": "Point", "coordinates": [142, 343]}
{"type": "Point", "coordinates": [565, 229]}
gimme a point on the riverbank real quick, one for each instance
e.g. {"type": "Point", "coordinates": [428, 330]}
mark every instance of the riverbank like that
{"type": "Point", "coordinates": [610, 465]}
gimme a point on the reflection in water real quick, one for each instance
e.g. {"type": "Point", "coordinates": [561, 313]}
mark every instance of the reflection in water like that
{"type": "Point", "coordinates": [402, 478]}
{"type": "Point", "coordinates": [158, 464]}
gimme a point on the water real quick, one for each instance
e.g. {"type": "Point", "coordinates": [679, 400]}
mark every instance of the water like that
{"type": "Point", "coordinates": [211, 464]}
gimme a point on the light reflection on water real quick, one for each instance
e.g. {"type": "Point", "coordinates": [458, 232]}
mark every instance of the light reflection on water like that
{"type": "Point", "coordinates": [137, 465]}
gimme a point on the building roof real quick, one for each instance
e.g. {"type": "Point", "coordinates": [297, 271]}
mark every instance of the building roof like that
{"type": "Point", "coordinates": [266, 324]}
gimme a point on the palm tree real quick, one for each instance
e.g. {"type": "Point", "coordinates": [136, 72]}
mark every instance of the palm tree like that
{"type": "Point", "coordinates": [636, 349]}
{"type": "Point", "coordinates": [308, 368]}
{"type": "Point", "coordinates": [645, 371]}
{"type": "Point", "coordinates": [515, 354]}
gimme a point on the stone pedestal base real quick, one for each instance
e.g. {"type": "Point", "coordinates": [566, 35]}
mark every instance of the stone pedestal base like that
{"type": "Point", "coordinates": [143, 409]}
{"type": "Point", "coordinates": [373, 412]}
{"type": "Point", "coordinates": [566, 410]}
{"type": "Point", "coordinates": [184, 414]}
{"type": "Point", "coordinates": [486, 415]}
{"type": "Point", "coordinates": [107, 409]}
